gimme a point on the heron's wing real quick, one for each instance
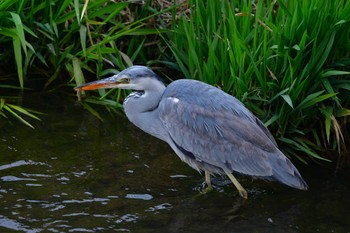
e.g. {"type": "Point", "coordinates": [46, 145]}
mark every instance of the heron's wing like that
{"type": "Point", "coordinates": [216, 128]}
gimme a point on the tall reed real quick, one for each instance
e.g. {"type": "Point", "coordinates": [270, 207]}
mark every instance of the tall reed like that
{"type": "Point", "coordinates": [288, 61]}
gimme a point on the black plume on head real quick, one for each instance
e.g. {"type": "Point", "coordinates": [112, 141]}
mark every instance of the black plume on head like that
{"type": "Point", "coordinates": [140, 71]}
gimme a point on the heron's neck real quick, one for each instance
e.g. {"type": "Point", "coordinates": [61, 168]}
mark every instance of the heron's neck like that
{"type": "Point", "coordinates": [142, 111]}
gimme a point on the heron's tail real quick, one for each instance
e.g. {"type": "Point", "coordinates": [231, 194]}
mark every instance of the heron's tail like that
{"type": "Point", "coordinates": [285, 172]}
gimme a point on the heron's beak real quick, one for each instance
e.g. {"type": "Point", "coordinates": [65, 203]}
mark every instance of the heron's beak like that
{"type": "Point", "coordinates": [111, 82]}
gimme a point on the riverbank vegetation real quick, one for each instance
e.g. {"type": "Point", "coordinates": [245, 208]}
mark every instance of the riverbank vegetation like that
{"type": "Point", "coordinates": [288, 61]}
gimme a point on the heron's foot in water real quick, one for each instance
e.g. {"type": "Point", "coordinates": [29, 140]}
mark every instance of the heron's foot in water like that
{"type": "Point", "coordinates": [207, 189]}
{"type": "Point", "coordinates": [203, 190]}
{"type": "Point", "coordinates": [242, 192]}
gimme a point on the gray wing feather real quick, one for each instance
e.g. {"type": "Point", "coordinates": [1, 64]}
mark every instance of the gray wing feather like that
{"type": "Point", "coordinates": [216, 128]}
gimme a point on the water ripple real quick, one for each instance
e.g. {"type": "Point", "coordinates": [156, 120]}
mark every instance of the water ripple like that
{"type": "Point", "coordinates": [14, 225]}
{"type": "Point", "coordinates": [76, 214]}
{"type": "Point", "coordinates": [128, 218]}
{"type": "Point", "coordinates": [15, 178]}
{"type": "Point", "coordinates": [164, 206]}
{"type": "Point", "coordinates": [102, 200]}
{"type": "Point", "coordinates": [20, 163]}
{"type": "Point", "coordinates": [145, 197]}
{"type": "Point", "coordinates": [80, 230]}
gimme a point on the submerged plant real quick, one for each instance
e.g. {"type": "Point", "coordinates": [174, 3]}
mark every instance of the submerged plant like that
{"type": "Point", "coordinates": [8, 108]}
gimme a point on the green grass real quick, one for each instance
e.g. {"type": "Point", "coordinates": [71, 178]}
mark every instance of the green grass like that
{"type": "Point", "coordinates": [59, 33]}
{"type": "Point", "coordinates": [69, 40]}
{"type": "Point", "coordinates": [288, 62]}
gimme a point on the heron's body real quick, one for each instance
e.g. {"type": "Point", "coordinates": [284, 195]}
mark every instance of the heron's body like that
{"type": "Point", "coordinates": [207, 128]}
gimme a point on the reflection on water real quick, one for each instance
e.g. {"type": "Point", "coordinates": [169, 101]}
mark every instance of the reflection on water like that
{"type": "Point", "coordinates": [76, 174]}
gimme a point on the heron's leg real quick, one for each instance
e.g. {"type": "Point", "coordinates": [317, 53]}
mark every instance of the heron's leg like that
{"type": "Point", "coordinates": [241, 190]}
{"type": "Point", "coordinates": [207, 179]}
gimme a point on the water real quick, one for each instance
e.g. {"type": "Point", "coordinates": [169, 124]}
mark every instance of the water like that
{"type": "Point", "coordinates": [74, 173]}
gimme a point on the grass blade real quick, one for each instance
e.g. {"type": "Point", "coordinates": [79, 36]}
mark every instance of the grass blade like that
{"type": "Point", "coordinates": [7, 108]}
{"type": "Point", "coordinates": [18, 58]}
{"type": "Point", "coordinates": [19, 29]}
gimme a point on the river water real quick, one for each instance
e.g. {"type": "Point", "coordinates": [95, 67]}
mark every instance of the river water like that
{"type": "Point", "coordinates": [74, 173]}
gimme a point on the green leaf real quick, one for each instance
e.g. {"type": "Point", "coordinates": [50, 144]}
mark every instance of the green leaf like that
{"type": "Point", "coordinates": [7, 108]}
{"type": "Point", "coordinates": [126, 58]}
{"type": "Point", "coordinates": [327, 113]}
{"type": "Point", "coordinates": [83, 38]}
{"type": "Point", "coordinates": [303, 148]}
{"type": "Point", "coordinates": [345, 86]}
{"type": "Point", "coordinates": [23, 111]}
{"type": "Point", "coordinates": [313, 99]}
{"type": "Point", "coordinates": [92, 111]}
{"type": "Point", "coordinates": [334, 73]}
{"type": "Point", "coordinates": [278, 94]}
{"type": "Point", "coordinates": [77, 10]}
{"type": "Point", "coordinates": [343, 112]}
{"type": "Point", "coordinates": [2, 103]}
{"type": "Point", "coordinates": [271, 120]}
{"type": "Point", "coordinates": [19, 29]}
{"type": "Point", "coordinates": [288, 100]}
{"type": "Point", "coordinates": [18, 58]}
{"type": "Point", "coordinates": [29, 31]}
{"type": "Point", "coordinates": [78, 73]}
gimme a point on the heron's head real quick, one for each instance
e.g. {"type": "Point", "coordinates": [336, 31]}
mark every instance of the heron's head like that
{"type": "Point", "coordinates": [139, 78]}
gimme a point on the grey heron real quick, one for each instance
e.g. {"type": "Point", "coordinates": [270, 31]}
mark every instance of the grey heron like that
{"type": "Point", "coordinates": [207, 128]}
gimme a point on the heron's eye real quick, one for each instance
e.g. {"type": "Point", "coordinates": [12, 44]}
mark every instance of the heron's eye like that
{"type": "Point", "coordinates": [126, 80]}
